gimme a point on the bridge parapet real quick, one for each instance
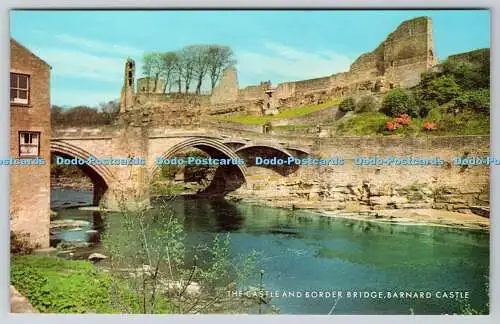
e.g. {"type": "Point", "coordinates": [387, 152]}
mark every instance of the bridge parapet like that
{"type": "Point", "coordinates": [84, 132]}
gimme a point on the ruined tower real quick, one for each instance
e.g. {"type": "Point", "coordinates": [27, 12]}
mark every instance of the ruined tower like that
{"type": "Point", "coordinates": [227, 89]}
{"type": "Point", "coordinates": [127, 95]}
{"type": "Point", "coordinates": [409, 51]}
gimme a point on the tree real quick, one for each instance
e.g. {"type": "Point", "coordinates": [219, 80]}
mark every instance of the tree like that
{"type": "Point", "coordinates": [150, 244]}
{"type": "Point", "coordinates": [471, 70]}
{"type": "Point", "coordinates": [169, 62]}
{"type": "Point", "coordinates": [219, 58]}
{"type": "Point", "coordinates": [398, 102]}
{"type": "Point", "coordinates": [178, 71]}
{"type": "Point", "coordinates": [152, 68]}
{"type": "Point", "coordinates": [201, 64]}
{"type": "Point", "coordinates": [188, 62]}
{"type": "Point", "coordinates": [442, 90]}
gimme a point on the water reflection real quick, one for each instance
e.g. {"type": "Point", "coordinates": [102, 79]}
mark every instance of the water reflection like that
{"type": "Point", "coordinates": [301, 251]}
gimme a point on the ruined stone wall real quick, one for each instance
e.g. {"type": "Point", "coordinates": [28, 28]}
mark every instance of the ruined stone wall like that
{"type": "Point", "coordinates": [227, 89]}
{"type": "Point", "coordinates": [173, 109]}
{"type": "Point", "coordinates": [30, 185]}
{"type": "Point", "coordinates": [409, 51]}
{"type": "Point", "coordinates": [397, 62]}
{"type": "Point", "coordinates": [252, 93]}
{"type": "Point", "coordinates": [147, 85]}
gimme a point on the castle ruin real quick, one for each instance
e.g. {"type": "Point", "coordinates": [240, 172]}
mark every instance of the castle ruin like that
{"type": "Point", "coordinates": [397, 62]}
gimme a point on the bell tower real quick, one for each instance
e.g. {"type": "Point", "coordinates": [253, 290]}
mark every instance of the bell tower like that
{"type": "Point", "coordinates": [127, 95]}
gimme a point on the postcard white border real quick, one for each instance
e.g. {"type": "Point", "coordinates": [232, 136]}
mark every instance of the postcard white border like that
{"type": "Point", "coordinates": [6, 5]}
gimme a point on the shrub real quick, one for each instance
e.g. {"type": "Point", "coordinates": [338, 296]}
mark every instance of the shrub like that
{"type": "Point", "coordinates": [347, 105]}
{"type": "Point", "coordinates": [442, 89]}
{"type": "Point", "coordinates": [362, 124]}
{"type": "Point", "coordinates": [470, 70]}
{"type": "Point", "coordinates": [398, 102]}
{"type": "Point", "coordinates": [366, 104]}
{"type": "Point", "coordinates": [477, 101]}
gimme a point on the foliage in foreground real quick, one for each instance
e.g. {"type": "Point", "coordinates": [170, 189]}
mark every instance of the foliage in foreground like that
{"type": "Point", "coordinates": [149, 250]}
{"type": "Point", "coordinates": [55, 285]}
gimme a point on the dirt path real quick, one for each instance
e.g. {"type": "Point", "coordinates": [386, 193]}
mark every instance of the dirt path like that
{"type": "Point", "coordinates": [19, 304]}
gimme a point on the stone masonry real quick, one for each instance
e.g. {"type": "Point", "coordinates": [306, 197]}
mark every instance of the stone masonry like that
{"type": "Point", "coordinates": [397, 62]}
{"type": "Point", "coordinates": [30, 185]}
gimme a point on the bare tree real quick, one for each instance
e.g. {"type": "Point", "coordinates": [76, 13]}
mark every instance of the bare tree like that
{"type": "Point", "coordinates": [188, 59]}
{"type": "Point", "coordinates": [219, 57]}
{"type": "Point", "coordinates": [169, 62]}
{"type": "Point", "coordinates": [178, 70]}
{"type": "Point", "coordinates": [201, 64]}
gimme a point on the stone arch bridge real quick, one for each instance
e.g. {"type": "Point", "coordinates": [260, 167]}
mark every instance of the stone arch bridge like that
{"type": "Point", "coordinates": [128, 184]}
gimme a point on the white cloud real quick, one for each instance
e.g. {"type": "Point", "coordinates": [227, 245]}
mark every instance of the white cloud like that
{"type": "Point", "coordinates": [98, 46]}
{"type": "Point", "coordinates": [285, 63]}
{"type": "Point", "coordinates": [78, 64]}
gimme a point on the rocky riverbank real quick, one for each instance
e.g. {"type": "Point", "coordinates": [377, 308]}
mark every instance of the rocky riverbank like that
{"type": "Point", "coordinates": [416, 216]}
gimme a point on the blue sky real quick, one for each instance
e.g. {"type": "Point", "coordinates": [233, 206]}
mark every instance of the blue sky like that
{"type": "Point", "coordinates": [87, 49]}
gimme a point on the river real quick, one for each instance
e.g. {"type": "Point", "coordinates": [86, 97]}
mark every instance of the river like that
{"type": "Point", "coordinates": [302, 251]}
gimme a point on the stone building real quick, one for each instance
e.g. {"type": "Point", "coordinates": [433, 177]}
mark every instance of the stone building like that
{"type": "Point", "coordinates": [30, 139]}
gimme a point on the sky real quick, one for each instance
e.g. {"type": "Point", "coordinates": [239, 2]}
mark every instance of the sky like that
{"type": "Point", "coordinates": [87, 49]}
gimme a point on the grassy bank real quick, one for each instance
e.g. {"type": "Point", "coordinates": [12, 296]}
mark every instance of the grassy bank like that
{"type": "Point", "coordinates": [374, 123]}
{"type": "Point", "coordinates": [55, 285]}
{"type": "Point", "coordinates": [289, 113]}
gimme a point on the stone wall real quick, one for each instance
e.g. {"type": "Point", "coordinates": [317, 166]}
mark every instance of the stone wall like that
{"type": "Point", "coordinates": [147, 85]}
{"type": "Point", "coordinates": [354, 187]}
{"type": "Point", "coordinates": [227, 89]}
{"type": "Point", "coordinates": [30, 185]}
{"type": "Point", "coordinates": [397, 62]}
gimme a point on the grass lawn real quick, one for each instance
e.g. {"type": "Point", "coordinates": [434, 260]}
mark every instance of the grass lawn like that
{"type": "Point", "coordinates": [55, 285]}
{"type": "Point", "coordinates": [289, 113]}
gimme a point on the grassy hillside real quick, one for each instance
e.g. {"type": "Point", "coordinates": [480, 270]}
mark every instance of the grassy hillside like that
{"type": "Point", "coordinates": [289, 113]}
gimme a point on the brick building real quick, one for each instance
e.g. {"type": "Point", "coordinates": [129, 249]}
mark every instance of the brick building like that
{"type": "Point", "coordinates": [30, 139]}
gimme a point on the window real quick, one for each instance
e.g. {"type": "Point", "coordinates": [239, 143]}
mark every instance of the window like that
{"type": "Point", "coordinates": [19, 88]}
{"type": "Point", "coordinates": [29, 144]}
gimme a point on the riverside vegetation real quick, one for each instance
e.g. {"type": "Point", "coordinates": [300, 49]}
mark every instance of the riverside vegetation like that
{"type": "Point", "coordinates": [150, 270]}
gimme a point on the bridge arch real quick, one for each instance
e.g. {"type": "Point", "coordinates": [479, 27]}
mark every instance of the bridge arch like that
{"type": "Point", "coordinates": [100, 175]}
{"type": "Point", "coordinates": [226, 178]}
{"type": "Point", "coordinates": [250, 151]}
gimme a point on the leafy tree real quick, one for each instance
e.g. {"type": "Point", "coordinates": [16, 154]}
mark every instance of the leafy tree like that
{"type": "Point", "coordinates": [442, 89]}
{"type": "Point", "coordinates": [471, 70]}
{"type": "Point", "coordinates": [169, 61]}
{"type": "Point", "coordinates": [398, 102]}
{"type": "Point", "coordinates": [220, 57]}
{"type": "Point", "coordinates": [347, 104]}
{"type": "Point", "coordinates": [151, 243]}
{"type": "Point", "coordinates": [152, 68]}
{"type": "Point", "coordinates": [477, 101]}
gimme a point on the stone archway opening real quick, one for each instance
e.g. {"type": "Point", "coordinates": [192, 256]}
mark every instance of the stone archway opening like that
{"type": "Point", "coordinates": [80, 178]}
{"type": "Point", "coordinates": [199, 169]}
